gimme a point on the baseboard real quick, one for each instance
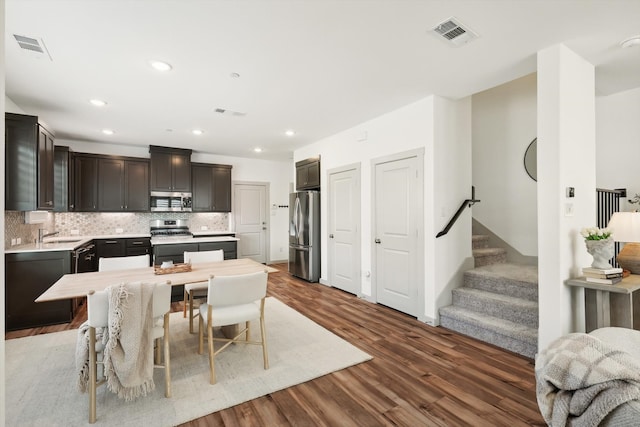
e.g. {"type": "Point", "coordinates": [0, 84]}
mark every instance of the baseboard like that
{"type": "Point", "coordinates": [428, 320]}
{"type": "Point", "coordinates": [278, 261]}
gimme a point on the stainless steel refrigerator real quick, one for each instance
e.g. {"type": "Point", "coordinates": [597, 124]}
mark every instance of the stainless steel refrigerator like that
{"type": "Point", "coordinates": [304, 235]}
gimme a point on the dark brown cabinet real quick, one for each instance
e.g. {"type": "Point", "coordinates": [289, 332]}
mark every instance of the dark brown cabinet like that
{"type": "Point", "coordinates": [27, 276]}
{"type": "Point", "coordinates": [63, 197]}
{"type": "Point", "coordinates": [170, 169]}
{"type": "Point", "coordinates": [109, 248]}
{"type": "Point", "coordinates": [139, 246]}
{"type": "Point", "coordinates": [123, 185]}
{"type": "Point", "coordinates": [86, 183]}
{"type": "Point", "coordinates": [28, 164]}
{"type": "Point", "coordinates": [308, 174]}
{"type": "Point", "coordinates": [211, 185]}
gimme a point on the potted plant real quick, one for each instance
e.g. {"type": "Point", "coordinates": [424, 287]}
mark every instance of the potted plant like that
{"type": "Point", "coordinates": [599, 245]}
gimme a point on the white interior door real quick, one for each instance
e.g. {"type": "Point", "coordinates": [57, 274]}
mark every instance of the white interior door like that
{"type": "Point", "coordinates": [395, 234]}
{"type": "Point", "coordinates": [250, 218]}
{"type": "Point", "coordinates": [344, 226]}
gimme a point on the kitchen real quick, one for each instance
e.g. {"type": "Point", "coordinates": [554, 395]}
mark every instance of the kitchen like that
{"type": "Point", "coordinates": [118, 233]}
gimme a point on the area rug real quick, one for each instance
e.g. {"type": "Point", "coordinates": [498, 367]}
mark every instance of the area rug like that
{"type": "Point", "coordinates": [41, 377]}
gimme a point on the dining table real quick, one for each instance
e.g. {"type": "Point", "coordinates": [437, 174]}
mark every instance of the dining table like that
{"type": "Point", "coordinates": [79, 285]}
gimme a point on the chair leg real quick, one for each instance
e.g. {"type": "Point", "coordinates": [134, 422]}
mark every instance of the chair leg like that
{"type": "Point", "coordinates": [247, 334]}
{"type": "Point", "coordinates": [167, 359]}
{"type": "Point", "coordinates": [265, 355]}
{"type": "Point", "coordinates": [212, 370]}
{"type": "Point", "coordinates": [190, 312]}
{"type": "Point", "coordinates": [184, 305]}
{"type": "Point", "coordinates": [93, 375]}
{"type": "Point", "coordinates": [200, 335]}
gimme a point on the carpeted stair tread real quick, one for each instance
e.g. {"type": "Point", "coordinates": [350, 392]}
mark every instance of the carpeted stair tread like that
{"type": "Point", "coordinates": [502, 333]}
{"type": "Point", "coordinates": [479, 241]}
{"type": "Point", "coordinates": [497, 305]}
{"type": "Point", "coordinates": [487, 256]}
{"type": "Point", "coordinates": [510, 279]}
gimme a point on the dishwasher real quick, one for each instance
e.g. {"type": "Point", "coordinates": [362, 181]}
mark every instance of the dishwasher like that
{"type": "Point", "coordinates": [83, 260]}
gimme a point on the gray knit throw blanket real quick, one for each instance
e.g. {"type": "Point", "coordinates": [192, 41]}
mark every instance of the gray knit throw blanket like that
{"type": "Point", "coordinates": [128, 342]}
{"type": "Point", "coordinates": [580, 380]}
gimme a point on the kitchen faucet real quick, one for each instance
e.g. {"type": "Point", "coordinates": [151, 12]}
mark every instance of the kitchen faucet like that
{"type": "Point", "coordinates": [42, 234]}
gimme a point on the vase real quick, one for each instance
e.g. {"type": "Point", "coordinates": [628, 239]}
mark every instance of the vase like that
{"type": "Point", "coordinates": [601, 251]}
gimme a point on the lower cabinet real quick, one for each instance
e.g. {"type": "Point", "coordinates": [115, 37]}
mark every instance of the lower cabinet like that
{"type": "Point", "coordinates": [109, 248]}
{"type": "Point", "coordinates": [27, 276]}
{"type": "Point", "coordinates": [175, 252]}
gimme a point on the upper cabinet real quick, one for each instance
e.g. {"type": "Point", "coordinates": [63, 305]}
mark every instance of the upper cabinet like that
{"type": "Point", "coordinates": [123, 185]}
{"type": "Point", "coordinates": [170, 169]}
{"type": "Point", "coordinates": [28, 164]}
{"type": "Point", "coordinates": [308, 174]}
{"type": "Point", "coordinates": [211, 187]}
{"type": "Point", "coordinates": [63, 179]}
{"type": "Point", "coordinates": [86, 183]}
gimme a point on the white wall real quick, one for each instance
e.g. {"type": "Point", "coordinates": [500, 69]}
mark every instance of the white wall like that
{"type": "Point", "coordinates": [451, 162]}
{"type": "Point", "coordinates": [504, 123]}
{"type": "Point", "coordinates": [618, 143]}
{"type": "Point", "coordinates": [566, 158]}
{"type": "Point", "coordinates": [411, 127]}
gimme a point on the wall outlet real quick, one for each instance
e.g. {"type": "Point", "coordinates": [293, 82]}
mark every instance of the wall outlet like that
{"type": "Point", "coordinates": [119, 230]}
{"type": "Point", "coordinates": [203, 228]}
{"type": "Point", "coordinates": [75, 232]}
{"type": "Point", "coordinates": [19, 241]}
{"type": "Point", "coordinates": [13, 242]}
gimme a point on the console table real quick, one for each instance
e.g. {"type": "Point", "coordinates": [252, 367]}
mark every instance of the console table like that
{"type": "Point", "coordinates": [610, 305]}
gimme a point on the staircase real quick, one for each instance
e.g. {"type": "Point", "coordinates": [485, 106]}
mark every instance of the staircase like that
{"type": "Point", "coordinates": [498, 302]}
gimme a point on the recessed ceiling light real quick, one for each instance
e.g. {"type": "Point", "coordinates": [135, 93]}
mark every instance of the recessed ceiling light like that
{"type": "Point", "coordinates": [234, 75]}
{"type": "Point", "coordinates": [258, 150]}
{"type": "Point", "coordinates": [108, 131]}
{"type": "Point", "coordinates": [160, 65]}
{"type": "Point", "coordinates": [290, 132]}
{"type": "Point", "coordinates": [631, 41]}
{"type": "Point", "coordinates": [197, 132]}
{"type": "Point", "coordinates": [98, 102]}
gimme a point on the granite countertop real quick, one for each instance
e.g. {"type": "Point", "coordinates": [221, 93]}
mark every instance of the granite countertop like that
{"type": "Point", "coordinates": [67, 243]}
{"type": "Point", "coordinates": [179, 240]}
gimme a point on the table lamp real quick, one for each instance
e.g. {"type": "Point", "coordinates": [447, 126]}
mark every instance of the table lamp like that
{"type": "Point", "coordinates": [625, 227]}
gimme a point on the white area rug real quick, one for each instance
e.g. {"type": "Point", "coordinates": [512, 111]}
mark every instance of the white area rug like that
{"type": "Point", "coordinates": [41, 377]}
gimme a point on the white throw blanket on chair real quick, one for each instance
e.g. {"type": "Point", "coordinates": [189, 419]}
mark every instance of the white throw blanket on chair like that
{"type": "Point", "coordinates": [128, 342]}
{"type": "Point", "coordinates": [128, 352]}
{"type": "Point", "coordinates": [580, 380]}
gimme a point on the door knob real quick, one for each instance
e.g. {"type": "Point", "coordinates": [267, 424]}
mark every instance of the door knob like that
{"type": "Point", "coordinates": [331, 236]}
{"type": "Point", "coordinates": [377, 241]}
{"type": "Point", "coordinates": [264, 228]}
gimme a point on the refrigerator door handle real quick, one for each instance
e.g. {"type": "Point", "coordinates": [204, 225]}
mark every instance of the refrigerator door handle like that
{"type": "Point", "coordinates": [297, 218]}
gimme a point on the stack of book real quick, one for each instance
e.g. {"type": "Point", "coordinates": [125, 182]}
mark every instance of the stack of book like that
{"type": "Point", "coordinates": [610, 276]}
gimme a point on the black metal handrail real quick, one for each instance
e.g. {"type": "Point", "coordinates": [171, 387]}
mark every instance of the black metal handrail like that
{"type": "Point", "coordinates": [468, 202]}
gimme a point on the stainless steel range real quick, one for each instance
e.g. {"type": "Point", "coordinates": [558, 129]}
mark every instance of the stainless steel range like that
{"type": "Point", "coordinates": [169, 228]}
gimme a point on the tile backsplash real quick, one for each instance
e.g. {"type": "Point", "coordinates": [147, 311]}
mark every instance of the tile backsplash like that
{"type": "Point", "coordinates": [103, 223]}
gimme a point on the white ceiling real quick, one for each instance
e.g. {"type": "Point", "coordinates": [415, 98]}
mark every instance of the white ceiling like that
{"type": "Point", "coordinates": [315, 66]}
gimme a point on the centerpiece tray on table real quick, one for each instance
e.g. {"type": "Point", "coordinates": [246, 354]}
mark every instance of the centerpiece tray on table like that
{"type": "Point", "coordinates": [175, 268]}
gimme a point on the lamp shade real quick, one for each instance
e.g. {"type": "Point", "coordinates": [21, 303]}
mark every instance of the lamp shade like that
{"type": "Point", "coordinates": [625, 226]}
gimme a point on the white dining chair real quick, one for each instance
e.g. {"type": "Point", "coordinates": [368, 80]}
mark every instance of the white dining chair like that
{"type": "Point", "coordinates": [123, 262]}
{"type": "Point", "coordinates": [233, 300]}
{"type": "Point", "coordinates": [98, 317]}
{"type": "Point", "coordinates": [199, 289]}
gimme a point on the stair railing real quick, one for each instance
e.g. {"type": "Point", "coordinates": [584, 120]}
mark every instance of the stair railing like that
{"type": "Point", "coordinates": [468, 202]}
{"type": "Point", "coordinates": [608, 202]}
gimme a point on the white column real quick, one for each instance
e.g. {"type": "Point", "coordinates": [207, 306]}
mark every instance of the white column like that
{"type": "Point", "coordinates": [566, 158]}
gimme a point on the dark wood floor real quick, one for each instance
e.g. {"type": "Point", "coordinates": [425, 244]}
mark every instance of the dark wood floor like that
{"type": "Point", "coordinates": [419, 375]}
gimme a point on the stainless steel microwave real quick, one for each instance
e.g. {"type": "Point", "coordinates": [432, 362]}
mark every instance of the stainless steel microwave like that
{"type": "Point", "coordinates": [162, 201]}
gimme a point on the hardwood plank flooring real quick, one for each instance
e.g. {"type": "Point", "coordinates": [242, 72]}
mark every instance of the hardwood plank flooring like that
{"type": "Point", "coordinates": [419, 375]}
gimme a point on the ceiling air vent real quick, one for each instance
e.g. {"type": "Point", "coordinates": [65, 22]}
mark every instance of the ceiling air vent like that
{"type": "Point", "coordinates": [33, 46]}
{"type": "Point", "coordinates": [454, 32]}
{"type": "Point", "coordinates": [226, 112]}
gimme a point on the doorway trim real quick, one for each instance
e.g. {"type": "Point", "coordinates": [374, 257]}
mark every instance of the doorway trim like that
{"type": "Point", "coordinates": [267, 211]}
{"type": "Point", "coordinates": [420, 239]}
{"type": "Point", "coordinates": [358, 240]}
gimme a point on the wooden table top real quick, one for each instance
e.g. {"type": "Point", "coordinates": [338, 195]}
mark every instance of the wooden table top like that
{"type": "Point", "coordinates": [78, 285]}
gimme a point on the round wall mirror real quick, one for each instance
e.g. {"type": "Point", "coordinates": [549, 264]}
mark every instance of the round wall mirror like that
{"type": "Point", "coordinates": [531, 159]}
